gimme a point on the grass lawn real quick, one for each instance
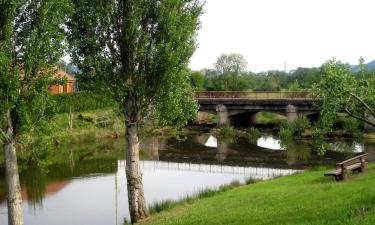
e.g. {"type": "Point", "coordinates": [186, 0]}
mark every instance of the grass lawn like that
{"type": "Point", "coordinates": [306, 198]}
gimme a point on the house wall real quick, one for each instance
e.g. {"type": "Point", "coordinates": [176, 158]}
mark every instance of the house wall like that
{"type": "Point", "coordinates": [59, 89]}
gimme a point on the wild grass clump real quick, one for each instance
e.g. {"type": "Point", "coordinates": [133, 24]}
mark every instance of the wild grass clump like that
{"type": "Point", "coordinates": [162, 205]}
{"type": "Point", "coordinates": [201, 194]}
{"type": "Point", "coordinates": [254, 132]}
{"type": "Point", "coordinates": [226, 131]}
{"type": "Point", "coordinates": [251, 180]}
{"type": "Point", "coordinates": [285, 133]}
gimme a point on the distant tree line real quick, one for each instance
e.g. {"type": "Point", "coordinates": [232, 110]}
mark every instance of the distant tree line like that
{"type": "Point", "coordinates": [230, 74]}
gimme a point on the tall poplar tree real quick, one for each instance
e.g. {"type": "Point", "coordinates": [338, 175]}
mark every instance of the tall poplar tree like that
{"type": "Point", "coordinates": [31, 42]}
{"type": "Point", "coordinates": [138, 51]}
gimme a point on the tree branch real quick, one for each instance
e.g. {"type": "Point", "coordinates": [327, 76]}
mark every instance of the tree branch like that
{"type": "Point", "coordinates": [359, 118]}
{"type": "Point", "coordinates": [364, 104]}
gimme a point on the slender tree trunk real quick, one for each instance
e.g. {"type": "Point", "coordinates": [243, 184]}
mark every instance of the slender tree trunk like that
{"type": "Point", "coordinates": [14, 200]}
{"type": "Point", "coordinates": [137, 204]}
{"type": "Point", "coordinates": [70, 118]}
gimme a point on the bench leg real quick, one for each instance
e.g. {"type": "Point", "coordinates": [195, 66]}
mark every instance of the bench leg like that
{"type": "Point", "coordinates": [343, 176]}
{"type": "Point", "coordinates": [363, 166]}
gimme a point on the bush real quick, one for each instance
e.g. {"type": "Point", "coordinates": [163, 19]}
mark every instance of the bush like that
{"type": "Point", "coordinates": [350, 125]}
{"type": "Point", "coordinates": [226, 131]}
{"type": "Point", "coordinates": [300, 125]}
{"type": "Point", "coordinates": [81, 101]}
{"type": "Point", "coordinates": [285, 132]}
{"type": "Point", "coordinates": [294, 129]}
{"type": "Point", "coordinates": [254, 132]}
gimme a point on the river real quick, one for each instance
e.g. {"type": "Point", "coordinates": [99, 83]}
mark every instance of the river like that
{"type": "Point", "coordinates": [87, 185]}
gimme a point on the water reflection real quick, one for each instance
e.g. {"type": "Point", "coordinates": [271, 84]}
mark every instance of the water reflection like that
{"type": "Point", "coordinates": [270, 142]}
{"type": "Point", "coordinates": [87, 184]}
{"type": "Point", "coordinates": [100, 198]}
{"type": "Point", "coordinates": [347, 147]}
{"type": "Point", "coordinates": [211, 142]}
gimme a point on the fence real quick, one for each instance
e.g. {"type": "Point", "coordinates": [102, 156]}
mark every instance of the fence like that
{"type": "Point", "coordinates": [252, 95]}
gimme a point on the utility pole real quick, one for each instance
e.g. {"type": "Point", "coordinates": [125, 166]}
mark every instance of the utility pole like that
{"type": "Point", "coordinates": [285, 66]}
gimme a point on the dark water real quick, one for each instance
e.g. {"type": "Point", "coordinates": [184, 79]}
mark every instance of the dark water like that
{"type": "Point", "coordinates": [86, 184]}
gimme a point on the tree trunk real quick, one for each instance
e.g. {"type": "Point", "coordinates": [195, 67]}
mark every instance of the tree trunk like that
{"type": "Point", "coordinates": [137, 204]}
{"type": "Point", "coordinates": [13, 187]}
{"type": "Point", "coordinates": [70, 118]}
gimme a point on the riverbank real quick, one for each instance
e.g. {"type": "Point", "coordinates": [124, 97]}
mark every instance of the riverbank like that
{"type": "Point", "coordinates": [306, 198]}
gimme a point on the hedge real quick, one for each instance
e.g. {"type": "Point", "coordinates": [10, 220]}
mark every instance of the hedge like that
{"type": "Point", "coordinates": [81, 101]}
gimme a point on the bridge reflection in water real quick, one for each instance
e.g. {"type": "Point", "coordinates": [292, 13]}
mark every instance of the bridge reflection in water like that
{"type": "Point", "coordinates": [251, 172]}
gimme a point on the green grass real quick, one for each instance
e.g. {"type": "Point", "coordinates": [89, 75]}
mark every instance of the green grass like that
{"type": "Point", "coordinates": [101, 123]}
{"type": "Point", "coordinates": [269, 119]}
{"type": "Point", "coordinates": [306, 198]}
{"type": "Point", "coordinates": [205, 193]}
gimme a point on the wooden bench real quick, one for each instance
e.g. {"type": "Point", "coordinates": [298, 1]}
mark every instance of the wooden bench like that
{"type": "Point", "coordinates": [356, 164]}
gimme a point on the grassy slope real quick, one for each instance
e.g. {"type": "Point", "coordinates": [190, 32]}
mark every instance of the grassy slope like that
{"type": "Point", "coordinates": [307, 198]}
{"type": "Point", "coordinates": [59, 124]}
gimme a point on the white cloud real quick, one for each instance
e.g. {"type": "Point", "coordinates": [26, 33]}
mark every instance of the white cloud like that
{"type": "Point", "coordinates": [300, 32]}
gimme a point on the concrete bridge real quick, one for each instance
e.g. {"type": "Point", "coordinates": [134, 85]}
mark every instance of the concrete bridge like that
{"type": "Point", "coordinates": [243, 106]}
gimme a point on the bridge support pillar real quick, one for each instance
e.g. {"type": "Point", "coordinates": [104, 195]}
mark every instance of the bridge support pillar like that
{"type": "Point", "coordinates": [222, 116]}
{"type": "Point", "coordinates": [291, 113]}
{"type": "Point", "coordinates": [370, 118]}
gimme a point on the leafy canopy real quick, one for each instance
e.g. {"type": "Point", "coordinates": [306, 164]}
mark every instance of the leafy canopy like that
{"type": "Point", "coordinates": [340, 90]}
{"type": "Point", "coordinates": [31, 42]}
{"type": "Point", "coordinates": [137, 51]}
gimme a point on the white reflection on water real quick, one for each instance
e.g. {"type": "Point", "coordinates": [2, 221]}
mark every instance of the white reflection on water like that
{"type": "Point", "coordinates": [353, 147]}
{"type": "Point", "coordinates": [211, 142]}
{"type": "Point", "coordinates": [270, 142]}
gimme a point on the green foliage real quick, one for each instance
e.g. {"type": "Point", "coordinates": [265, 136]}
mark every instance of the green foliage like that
{"type": "Point", "coordinates": [341, 91]}
{"type": "Point", "coordinates": [299, 79]}
{"type": "Point", "coordinates": [138, 51]}
{"type": "Point", "coordinates": [349, 125]}
{"type": "Point", "coordinates": [226, 131]}
{"type": "Point", "coordinates": [175, 105]}
{"type": "Point", "coordinates": [82, 101]}
{"type": "Point", "coordinates": [197, 80]}
{"type": "Point", "coordinates": [286, 133]}
{"type": "Point", "coordinates": [300, 125]}
{"type": "Point", "coordinates": [35, 31]}
{"type": "Point", "coordinates": [294, 129]}
{"type": "Point", "coordinates": [294, 87]}
{"type": "Point", "coordinates": [269, 119]}
{"type": "Point", "coordinates": [230, 64]}
{"type": "Point", "coordinates": [254, 132]}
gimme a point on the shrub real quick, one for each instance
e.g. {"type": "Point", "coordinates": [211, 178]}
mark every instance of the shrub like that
{"type": "Point", "coordinates": [254, 132]}
{"type": "Point", "coordinates": [300, 125]}
{"type": "Point", "coordinates": [226, 131]}
{"type": "Point", "coordinates": [350, 125]}
{"type": "Point", "coordinates": [295, 128]}
{"type": "Point", "coordinates": [285, 132]}
{"type": "Point", "coordinates": [81, 101]}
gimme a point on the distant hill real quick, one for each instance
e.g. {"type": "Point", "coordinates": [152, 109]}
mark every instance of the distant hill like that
{"type": "Point", "coordinates": [369, 66]}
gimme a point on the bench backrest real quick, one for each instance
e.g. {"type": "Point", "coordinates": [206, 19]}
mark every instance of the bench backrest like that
{"type": "Point", "coordinates": [352, 161]}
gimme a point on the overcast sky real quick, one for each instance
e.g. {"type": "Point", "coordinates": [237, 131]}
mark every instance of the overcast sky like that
{"type": "Point", "coordinates": [302, 33]}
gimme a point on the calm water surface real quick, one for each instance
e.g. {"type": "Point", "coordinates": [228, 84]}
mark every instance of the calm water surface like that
{"type": "Point", "coordinates": [87, 185]}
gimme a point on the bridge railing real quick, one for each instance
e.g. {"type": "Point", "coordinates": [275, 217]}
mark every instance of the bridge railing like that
{"type": "Point", "coordinates": [252, 95]}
